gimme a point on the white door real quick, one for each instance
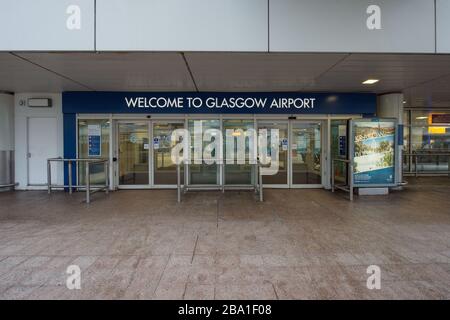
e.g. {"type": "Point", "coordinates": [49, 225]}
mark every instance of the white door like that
{"type": "Point", "coordinates": [42, 144]}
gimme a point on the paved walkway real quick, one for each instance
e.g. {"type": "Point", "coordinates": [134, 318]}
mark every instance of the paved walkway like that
{"type": "Point", "coordinates": [298, 244]}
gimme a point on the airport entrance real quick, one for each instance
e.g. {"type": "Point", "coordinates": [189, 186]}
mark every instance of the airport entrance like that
{"type": "Point", "coordinates": [135, 135]}
{"type": "Point", "coordinates": [140, 150]}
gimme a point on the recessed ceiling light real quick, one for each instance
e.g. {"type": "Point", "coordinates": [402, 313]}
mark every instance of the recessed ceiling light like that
{"type": "Point", "coordinates": [404, 101]}
{"type": "Point", "coordinates": [370, 81]}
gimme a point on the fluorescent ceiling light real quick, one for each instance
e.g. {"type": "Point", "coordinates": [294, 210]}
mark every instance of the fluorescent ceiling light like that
{"type": "Point", "coordinates": [421, 118]}
{"type": "Point", "coordinates": [370, 81]}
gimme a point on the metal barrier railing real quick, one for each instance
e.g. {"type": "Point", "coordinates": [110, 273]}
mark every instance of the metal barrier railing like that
{"type": "Point", "coordinates": [412, 158]}
{"type": "Point", "coordinates": [257, 185]}
{"type": "Point", "coordinates": [348, 187]}
{"type": "Point", "coordinates": [11, 185]}
{"type": "Point", "coordinates": [89, 188]}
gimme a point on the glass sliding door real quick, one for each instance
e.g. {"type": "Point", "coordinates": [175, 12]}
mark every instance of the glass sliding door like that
{"type": "Point", "coordinates": [237, 174]}
{"type": "Point", "coordinates": [164, 170]}
{"type": "Point", "coordinates": [202, 174]}
{"type": "Point", "coordinates": [133, 144]}
{"type": "Point", "coordinates": [306, 150]}
{"type": "Point", "coordinates": [93, 143]}
{"type": "Point", "coordinates": [339, 148]}
{"type": "Point", "coordinates": [281, 177]}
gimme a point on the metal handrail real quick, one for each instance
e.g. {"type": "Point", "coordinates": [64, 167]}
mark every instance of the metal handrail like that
{"type": "Point", "coordinates": [415, 155]}
{"type": "Point", "coordinates": [348, 187]}
{"type": "Point", "coordinates": [183, 188]}
{"type": "Point", "coordinates": [10, 185]}
{"type": "Point", "coordinates": [70, 186]}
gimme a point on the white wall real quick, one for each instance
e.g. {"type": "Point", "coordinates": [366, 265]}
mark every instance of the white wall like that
{"type": "Point", "coordinates": [22, 114]}
{"type": "Point", "coordinates": [224, 25]}
{"type": "Point", "coordinates": [442, 26]}
{"type": "Point", "coordinates": [42, 25]}
{"type": "Point", "coordinates": [180, 25]}
{"type": "Point", "coordinates": [341, 26]}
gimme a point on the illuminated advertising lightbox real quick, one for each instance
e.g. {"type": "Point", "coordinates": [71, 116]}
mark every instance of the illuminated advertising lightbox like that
{"type": "Point", "coordinates": [374, 144]}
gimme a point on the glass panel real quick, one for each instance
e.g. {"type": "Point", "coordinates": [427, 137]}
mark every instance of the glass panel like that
{"type": "Point", "coordinates": [406, 121]}
{"type": "Point", "coordinates": [306, 153]}
{"type": "Point", "coordinates": [429, 138]}
{"type": "Point", "coordinates": [89, 131]}
{"type": "Point", "coordinates": [203, 173]}
{"type": "Point", "coordinates": [423, 118]}
{"type": "Point", "coordinates": [339, 148]}
{"type": "Point", "coordinates": [165, 171]}
{"type": "Point", "coordinates": [133, 154]}
{"type": "Point", "coordinates": [419, 118]}
{"type": "Point", "coordinates": [281, 176]}
{"type": "Point", "coordinates": [238, 173]}
{"type": "Point", "coordinates": [430, 141]}
{"type": "Point", "coordinates": [406, 159]}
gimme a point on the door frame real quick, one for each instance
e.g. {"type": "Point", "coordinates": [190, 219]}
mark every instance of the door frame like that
{"type": "Point", "coordinates": [288, 169]}
{"type": "Point", "coordinates": [153, 122]}
{"type": "Point", "coordinates": [323, 152]}
{"type": "Point", "coordinates": [258, 119]}
{"type": "Point", "coordinates": [55, 177]}
{"type": "Point", "coordinates": [219, 174]}
{"type": "Point", "coordinates": [117, 153]}
{"type": "Point", "coordinates": [236, 117]}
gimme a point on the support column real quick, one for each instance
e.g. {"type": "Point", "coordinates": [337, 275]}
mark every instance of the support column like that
{"type": "Point", "coordinates": [6, 139]}
{"type": "Point", "coordinates": [391, 106]}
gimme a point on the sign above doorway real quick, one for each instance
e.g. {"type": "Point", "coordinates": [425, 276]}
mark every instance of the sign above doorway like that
{"type": "Point", "coordinates": [219, 103]}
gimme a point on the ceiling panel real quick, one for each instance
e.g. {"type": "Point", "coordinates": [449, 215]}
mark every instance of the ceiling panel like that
{"type": "Point", "coordinates": [17, 75]}
{"type": "Point", "coordinates": [433, 94]}
{"type": "Point", "coordinates": [424, 79]}
{"type": "Point", "coordinates": [120, 71]}
{"type": "Point", "coordinates": [259, 72]}
{"type": "Point", "coordinates": [396, 72]}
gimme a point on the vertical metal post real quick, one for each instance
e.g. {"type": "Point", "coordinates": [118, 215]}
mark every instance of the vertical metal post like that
{"type": "Point", "coordinates": [49, 177]}
{"type": "Point", "coordinates": [106, 167]}
{"type": "Point", "coordinates": [350, 179]}
{"type": "Point", "coordinates": [222, 166]}
{"type": "Point", "coordinates": [415, 166]}
{"type": "Point", "coordinates": [261, 196]}
{"type": "Point", "coordinates": [70, 175]}
{"type": "Point", "coordinates": [332, 175]}
{"type": "Point", "coordinates": [88, 184]}
{"type": "Point", "coordinates": [186, 178]}
{"type": "Point", "coordinates": [178, 183]}
{"type": "Point", "coordinates": [255, 177]}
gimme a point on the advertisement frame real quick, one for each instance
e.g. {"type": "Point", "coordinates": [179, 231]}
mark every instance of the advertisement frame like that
{"type": "Point", "coordinates": [352, 151]}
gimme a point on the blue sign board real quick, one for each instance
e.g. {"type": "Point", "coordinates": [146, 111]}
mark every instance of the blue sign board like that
{"type": "Point", "coordinates": [94, 146]}
{"type": "Point", "coordinates": [94, 140]}
{"type": "Point", "coordinates": [219, 102]}
{"type": "Point", "coordinates": [342, 146]}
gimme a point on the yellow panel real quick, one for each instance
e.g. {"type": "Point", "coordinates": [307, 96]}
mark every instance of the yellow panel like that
{"type": "Point", "coordinates": [436, 130]}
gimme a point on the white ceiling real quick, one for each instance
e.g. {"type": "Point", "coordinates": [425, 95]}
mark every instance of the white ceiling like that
{"type": "Point", "coordinates": [424, 79]}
